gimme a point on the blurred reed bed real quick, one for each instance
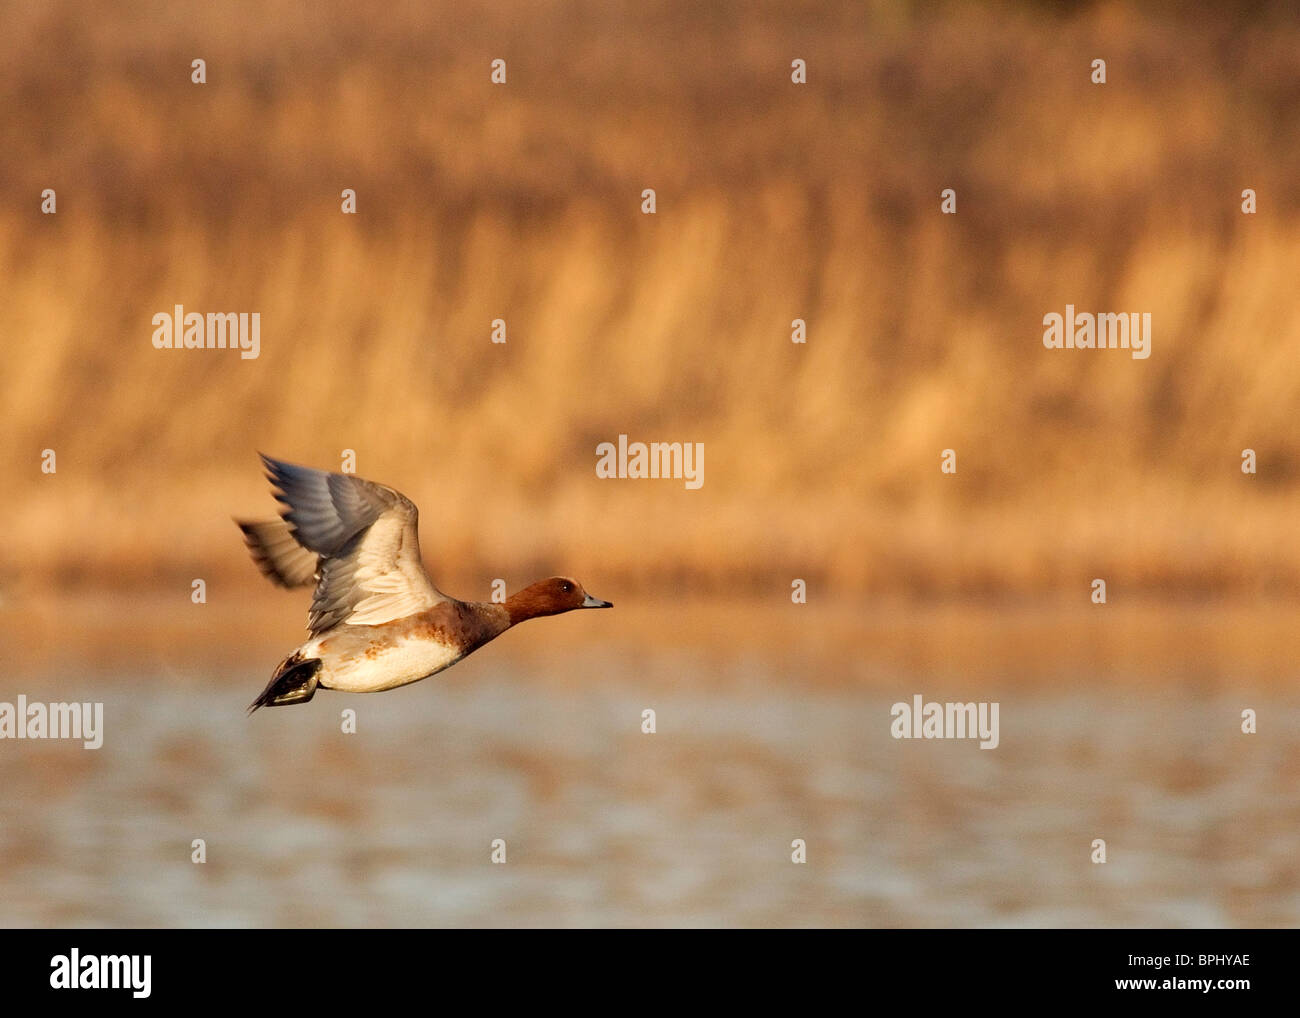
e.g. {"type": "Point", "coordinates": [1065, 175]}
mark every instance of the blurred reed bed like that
{"type": "Point", "coordinates": [775, 202]}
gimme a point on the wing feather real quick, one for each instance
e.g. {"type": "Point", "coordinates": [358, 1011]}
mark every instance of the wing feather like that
{"type": "Point", "coordinates": [278, 554]}
{"type": "Point", "coordinates": [366, 539]}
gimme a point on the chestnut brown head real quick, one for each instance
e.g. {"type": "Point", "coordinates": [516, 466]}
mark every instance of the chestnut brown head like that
{"type": "Point", "coordinates": [555, 596]}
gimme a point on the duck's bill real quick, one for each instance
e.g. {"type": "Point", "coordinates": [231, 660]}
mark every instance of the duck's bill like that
{"type": "Point", "coordinates": [595, 602]}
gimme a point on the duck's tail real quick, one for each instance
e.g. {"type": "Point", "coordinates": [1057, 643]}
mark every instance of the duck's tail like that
{"type": "Point", "coordinates": [293, 682]}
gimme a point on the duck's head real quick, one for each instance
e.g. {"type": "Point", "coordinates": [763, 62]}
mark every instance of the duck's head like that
{"type": "Point", "coordinates": [555, 596]}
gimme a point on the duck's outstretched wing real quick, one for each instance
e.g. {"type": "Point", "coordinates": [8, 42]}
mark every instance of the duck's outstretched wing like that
{"type": "Point", "coordinates": [278, 554]}
{"type": "Point", "coordinates": [365, 536]}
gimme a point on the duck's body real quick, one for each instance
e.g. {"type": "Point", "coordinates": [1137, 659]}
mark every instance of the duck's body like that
{"type": "Point", "coordinates": [368, 659]}
{"type": "Point", "coordinates": [377, 622]}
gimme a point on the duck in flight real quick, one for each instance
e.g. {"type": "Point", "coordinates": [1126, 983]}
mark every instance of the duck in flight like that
{"type": "Point", "coordinates": [377, 621]}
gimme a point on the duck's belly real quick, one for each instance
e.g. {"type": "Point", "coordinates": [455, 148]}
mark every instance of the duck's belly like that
{"type": "Point", "coordinates": [378, 666]}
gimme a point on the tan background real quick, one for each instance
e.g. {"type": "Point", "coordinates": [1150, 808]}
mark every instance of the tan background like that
{"type": "Point", "coordinates": [775, 202]}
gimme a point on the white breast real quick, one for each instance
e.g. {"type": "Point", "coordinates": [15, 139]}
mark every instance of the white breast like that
{"type": "Point", "coordinates": [397, 664]}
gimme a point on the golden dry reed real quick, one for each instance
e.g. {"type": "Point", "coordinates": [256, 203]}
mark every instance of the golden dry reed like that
{"type": "Point", "coordinates": [775, 201]}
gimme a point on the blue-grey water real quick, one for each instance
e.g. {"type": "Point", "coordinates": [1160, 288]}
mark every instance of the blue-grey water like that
{"type": "Point", "coordinates": [693, 825]}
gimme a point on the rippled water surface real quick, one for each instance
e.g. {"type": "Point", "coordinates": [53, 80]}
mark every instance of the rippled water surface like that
{"type": "Point", "coordinates": [693, 825]}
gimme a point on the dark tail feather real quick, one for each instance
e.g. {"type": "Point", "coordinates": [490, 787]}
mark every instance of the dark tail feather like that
{"type": "Point", "coordinates": [293, 682]}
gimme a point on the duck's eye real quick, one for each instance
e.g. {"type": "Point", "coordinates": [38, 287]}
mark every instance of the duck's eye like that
{"type": "Point", "coordinates": [567, 588]}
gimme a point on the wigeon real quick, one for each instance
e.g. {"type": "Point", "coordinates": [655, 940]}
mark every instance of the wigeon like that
{"type": "Point", "coordinates": [377, 621]}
